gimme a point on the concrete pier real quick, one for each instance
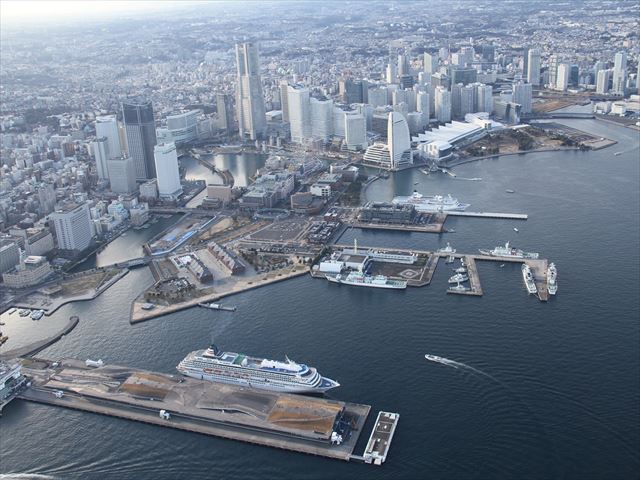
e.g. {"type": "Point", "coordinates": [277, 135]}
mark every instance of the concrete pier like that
{"type": "Point", "coordinates": [475, 288]}
{"type": "Point", "coordinates": [508, 216]}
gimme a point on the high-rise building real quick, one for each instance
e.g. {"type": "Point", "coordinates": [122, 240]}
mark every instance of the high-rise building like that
{"type": "Point", "coordinates": [100, 150]}
{"type": "Point", "coordinates": [140, 129]}
{"type": "Point", "coordinates": [489, 53]}
{"type": "Point", "coordinates": [484, 98]}
{"type": "Point", "coordinates": [72, 224]}
{"type": "Point", "coordinates": [251, 115]}
{"type": "Point", "coordinates": [321, 119]}
{"type": "Point", "coordinates": [422, 105]}
{"type": "Point", "coordinates": [9, 255]}
{"type": "Point", "coordinates": [467, 99]}
{"type": "Point", "coordinates": [523, 94]}
{"type": "Point", "coordinates": [525, 62]}
{"type": "Point", "coordinates": [299, 112]}
{"type": "Point", "coordinates": [225, 112]}
{"type": "Point", "coordinates": [619, 73]}
{"type": "Point", "coordinates": [398, 141]}
{"type": "Point", "coordinates": [390, 74]}
{"type": "Point", "coordinates": [182, 127]}
{"type": "Point", "coordinates": [168, 173]}
{"type": "Point", "coordinates": [554, 61]}
{"type": "Point", "coordinates": [355, 129]}
{"type": "Point", "coordinates": [107, 126]}
{"type": "Point", "coordinates": [351, 91]}
{"type": "Point", "coordinates": [442, 104]}
{"type": "Point", "coordinates": [46, 198]}
{"type": "Point", "coordinates": [122, 175]}
{"type": "Point", "coordinates": [463, 75]}
{"type": "Point", "coordinates": [378, 97]}
{"type": "Point", "coordinates": [430, 63]}
{"type": "Point", "coordinates": [562, 78]}
{"type": "Point", "coordinates": [533, 70]}
{"type": "Point", "coordinates": [284, 102]}
{"type": "Point", "coordinates": [603, 80]}
{"type": "Point", "coordinates": [404, 68]}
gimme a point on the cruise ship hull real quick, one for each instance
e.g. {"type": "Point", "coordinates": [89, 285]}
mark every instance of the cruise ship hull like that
{"type": "Point", "coordinates": [392, 286]}
{"type": "Point", "coordinates": [427, 207]}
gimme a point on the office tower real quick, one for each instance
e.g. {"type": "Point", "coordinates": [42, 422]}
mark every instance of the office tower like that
{"type": "Point", "coordinates": [404, 67]}
{"type": "Point", "coordinates": [430, 63]}
{"type": "Point", "coordinates": [284, 102]}
{"type": "Point", "coordinates": [299, 114]}
{"type": "Point", "coordinates": [100, 150]}
{"type": "Point", "coordinates": [467, 100]}
{"type": "Point", "coordinates": [351, 91]}
{"type": "Point", "coordinates": [355, 131]}
{"type": "Point", "coordinates": [526, 59]}
{"type": "Point", "coordinates": [442, 104]}
{"type": "Point", "coordinates": [489, 53]}
{"type": "Point", "coordinates": [122, 175]}
{"type": "Point", "coordinates": [141, 136]}
{"type": "Point", "coordinates": [378, 97]}
{"type": "Point", "coordinates": [484, 98]}
{"type": "Point", "coordinates": [533, 72]}
{"type": "Point", "coordinates": [406, 81]}
{"type": "Point", "coordinates": [523, 94]}
{"type": "Point", "coordinates": [457, 59]}
{"type": "Point", "coordinates": [251, 116]}
{"type": "Point", "coordinates": [619, 73]}
{"type": "Point", "coordinates": [46, 198]}
{"type": "Point", "coordinates": [440, 80]}
{"type": "Point", "coordinates": [463, 75]}
{"type": "Point", "coordinates": [400, 96]}
{"type": "Point", "coordinates": [366, 111]}
{"type": "Point", "coordinates": [603, 81]}
{"type": "Point", "coordinates": [467, 54]}
{"type": "Point", "coordinates": [321, 119]}
{"type": "Point", "coordinates": [554, 61]}
{"type": "Point", "coordinates": [391, 73]}
{"type": "Point", "coordinates": [562, 79]}
{"type": "Point", "coordinates": [398, 141]}
{"type": "Point", "coordinates": [168, 172]}
{"type": "Point", "coordinates": [183, 127]}
{"type": "Point", "coordinates": [107, 126]}
{"type": "Point", "coordinates": [72, 224]}
{"type": "Point", "coordinates": [338, 122]}
{"type": "Point", "coordinates": [9, 255]}
{"type": "Point", "coordinates": [422, 105]}
{"type": "Point", "coordinates": [443, 53]}
{"type": "Point", "coordinates": [456, 100]}
{"type": "Point", "coordinates": [225, 112]}
{"type": "Point", "coordinates": [599, 65]}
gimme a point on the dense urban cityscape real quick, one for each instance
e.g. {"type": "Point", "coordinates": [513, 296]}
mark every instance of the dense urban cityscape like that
{"type": "Point", "coordinates": [196, 151]}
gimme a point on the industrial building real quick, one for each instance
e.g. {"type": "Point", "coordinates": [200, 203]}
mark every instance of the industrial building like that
{"type": "Point", "coordinates": [380, 212]}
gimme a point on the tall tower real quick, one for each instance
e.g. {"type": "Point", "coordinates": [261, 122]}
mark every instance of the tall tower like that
{"type": "Point", "coordinates": [299, 112]}
{"type": "Point", "coordinates": [619, 73]}
{"type": "Point", "coordinates": [398, 141]}
{"type": "Point", "coordinates": [252, 120]}
{"type": "Point", "coordinates": [107, 126]}
{"type": "Point", "coordinates": [533, 63]}
{"type": "Point", "coordinates": [562, 77]}
{"type": "Point", "coordinates": [140, 129]}
{"type": "Point", "coordinates": [168, 173]}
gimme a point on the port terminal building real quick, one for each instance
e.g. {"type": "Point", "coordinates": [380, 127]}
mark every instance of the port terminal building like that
{"type": "Point", "coordinates": [361, 259]}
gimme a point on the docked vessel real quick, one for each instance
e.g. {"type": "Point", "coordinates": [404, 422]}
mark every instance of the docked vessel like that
{"type": "Point", "coordinates": [509, 251]}
{"type": "Point", "coordinates": [527, 276]}
{"type": "Point", "coordinates": [552, 284]}
{"type": "Point", "coordinates": [447, 249]}
{"type": "Point", "coordinates": [238, 369]}
{"type": "Point", "coordinates": [458, 277]}
{"type": "Point", "coordinates": [24, 312]}
{"type": "Point", "coordinates": [37, 314]}
{"type": "Point", "coordinates": [360, 279]}
{"type": "Point", "coordinates": [433, 203]}
{"type": "Point", "coordinates": [461, 270]}
{"type": "Point", "coordinates": [458, 288]}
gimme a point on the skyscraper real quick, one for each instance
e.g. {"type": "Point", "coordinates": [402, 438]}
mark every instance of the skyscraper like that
{"type": "Point", "coordinates": [533, 70]}
{"type": "Point", "coordinates": [351, 91]}
{"type": "Point", "coordinates": [101, 154]}
{"type": "Point", "coordinates": [554, 60]}
{"type": "Point", "coordinates": [430, 63]}
{"type": "Point", "coordinates": [422, 105]}
{"type": "Point", "coordinates": [299, 112]}
{"type": "Point", "coordinates": [321, 118]}
{"type": "Point", "coordinates": [166, 160]}
{"type": "Point", "coordinates": [107, 126]}
{"type": "Point", "coordinates": [484, 98]}
{"type": "Point", "coordinates": [284, 101]}
{"type": "Point", "coordinates": [619, 73]}
{"type": "Point", "coordinates": [252, 120]}
{"type": "Point", "coordinates": [225, 113]}
{"type": "Point", "coordinates": [442, 104]}
{"type": "Point", "coordinates": [603, 81]}
{"type": "Point", "coordinates": [398, 141]}
{"type": "Point", "coordinates": [523, 94]}
{"type": "Point", "coordinates": [72, 224]}
{"type": "Point", "coordinates": [355, 129]}
{"type": "Point", "coordinates": [122, 175]}
{"type": "Point", "coordinates": [140, 129]}
{"type": "Point", "coordinates": [562, 78]}
{"type": "Point", "coordinates": [467, 100]}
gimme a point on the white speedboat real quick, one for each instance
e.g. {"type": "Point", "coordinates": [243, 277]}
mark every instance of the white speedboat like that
{"type": "Point", "coordinates": [458, 277]}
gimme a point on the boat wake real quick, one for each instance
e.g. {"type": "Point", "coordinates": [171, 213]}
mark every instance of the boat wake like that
{"type": "Point", "coordinates": [474, 179]}
{"type": "Point", "coordinates": [458, 365]}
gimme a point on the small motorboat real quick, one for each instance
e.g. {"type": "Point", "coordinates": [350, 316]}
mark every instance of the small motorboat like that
{"type": "Point", "coordinates": [515, 229]}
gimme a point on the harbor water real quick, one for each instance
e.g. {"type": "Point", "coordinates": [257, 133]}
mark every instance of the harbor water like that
{"type": "Point", "coordinates": [539, 390]}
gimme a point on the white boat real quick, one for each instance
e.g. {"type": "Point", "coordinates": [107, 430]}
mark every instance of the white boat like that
{"type": "Point", "coordinates": [425, 171]}
{"type": "Point", "coordinates": [458, 277]}
{"type": "Point", "coordinates": [447, 249]}
{"type": "Point", "coordinates": [450, 259]}
{"type": "Point", "coordinates": [458, 288]}
{"type": "Point", "coordinates": [94, 363]}
{"type": "Point", "coordinates": [515, 229]}
{"type": "Point", "coordinates": [527, 276]}
{"type": "Point", "coordinates": [360, 279]}
{"type": "Point", "coordinates": [617, 153]}
{"type": "Point", "coordinates": [434, 203]}
{"type": "Point", "coordinates": [552, 284]}
{"type": "Point", "coordinates": [508, 190]}
{"type": "Point", "coordinates": [37, 314]}
{"type": "Point", "coordinates": [461, 270]}
{"type": "Point", "coordinates": [509, 251]}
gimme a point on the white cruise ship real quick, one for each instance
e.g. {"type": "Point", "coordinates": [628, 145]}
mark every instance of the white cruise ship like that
{"type": "Point", "coordinates": [434, 203]}
{"type": "Point", "coordinates": [238, 369]}
{"type": "Point", "coordinates": [509, 251]}
{"type": "Point", "coordinates": [359, 279]}
{"type": "Point", "coordinates": [552, 283]}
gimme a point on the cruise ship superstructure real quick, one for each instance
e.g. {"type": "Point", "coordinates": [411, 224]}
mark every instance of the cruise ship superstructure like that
{"type": "Point", "coordinates": [508, 251]}
{"type": "Point", "coordinates": [238, 369]}
{"type": "Point", "coordinates": [433, 203]}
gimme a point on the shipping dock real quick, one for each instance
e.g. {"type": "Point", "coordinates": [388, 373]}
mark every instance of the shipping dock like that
{"type": "Point", "coordinates": [312, 425]}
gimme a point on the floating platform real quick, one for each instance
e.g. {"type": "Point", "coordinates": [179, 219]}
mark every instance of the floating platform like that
{"type": "Point", "coordinates": [380, 440]}
{"type": "Point", "coordinates": [287, 421]}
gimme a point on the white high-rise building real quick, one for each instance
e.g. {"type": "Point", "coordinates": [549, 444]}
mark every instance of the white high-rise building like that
{"type": "Point", "coordinates": [523, 94]}
{"type": "Point", "coordinates": [299, 112]}
{"type": "Point", "coordinates": [562, 79]}
{"type": "Point", "coordinates": [321, 119]}
{"type": "Point", "coordinates": [533, 67]}
{"type": "Point", "coordinates": [167, 170]}
{"type": "Point", "coordinates": [252, 119]}
{"type": "Point", "coordinates": [73, 227]}
{"type": "Point", "coordinates": [467, 99]}
{"type": "Point", "coordinates": [430, 63]}
{"type": "Point", "coordinates": [100, 150]}
{"type": "Point", "coordinates": [107, 126]}
{"type": "Point", "coordinates": [619, 73]}
{"type": "Point", "coordinates": [391, 75]}
{"type": "Point", "coordinates": [378, 97]}
{"type": "Point", "coordinates": [554, 61]}
{"type": "Point", "coordinates": [122, 175]}
{"type": "Point", "coordinates": [423, 107]}
{"type": "Point", "coordinates": [338, 122]}
{"type": "Point", "coordinates": [442, 104]}
{"type": "Point", "coordinates": [398, 141]}
{"type": "Point", "coordinates": [484, 98]}
{"type": "Point", "coordinates": [602, 81]}
{"type": "Point", "coordinates": [355, 129]}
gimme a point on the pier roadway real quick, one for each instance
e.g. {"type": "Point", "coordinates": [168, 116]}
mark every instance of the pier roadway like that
{"type": "Point", "coordinates": [292, 422]}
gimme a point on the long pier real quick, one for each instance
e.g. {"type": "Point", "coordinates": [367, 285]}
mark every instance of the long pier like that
{"type": "Point", "coordinates": [507, 216]}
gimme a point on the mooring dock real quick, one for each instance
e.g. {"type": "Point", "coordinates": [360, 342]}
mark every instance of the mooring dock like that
{"type": "Point", "coordinates": [292, 422]}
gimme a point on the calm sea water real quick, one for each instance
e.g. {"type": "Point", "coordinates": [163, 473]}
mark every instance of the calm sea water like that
{"type": "Point", "coordinates": [554, 391]}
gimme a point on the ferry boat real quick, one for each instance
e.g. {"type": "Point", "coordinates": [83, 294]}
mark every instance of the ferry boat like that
{"type": "Point", "coordinates": [527, 276]}
{"type": "Point", "coordinates": [509, 251]}
{"type": "Point", "coordinates": [433, 203]}
{"type": "Point", "coordinates": [360, 279]}
{"type": "Point", "coordinates": [238, 369]}
{"type": "Point", "coordinates": [37, 314]}
{"type": "Point", "coordinates": [552, 284]}
{"type": "Point", "coordinates": [458, 277]}
{"type": "Point", "coordinates": [447, 249]}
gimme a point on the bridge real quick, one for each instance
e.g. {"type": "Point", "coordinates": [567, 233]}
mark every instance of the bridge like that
{"type": "Point", "coordinates": [175, 210]}
{"type": "Point", "coordinates": [539, 116]}
{"type": "Point", "coordinates": [132, 263]}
